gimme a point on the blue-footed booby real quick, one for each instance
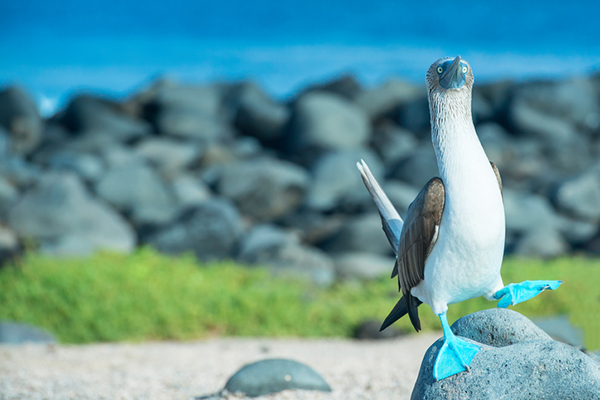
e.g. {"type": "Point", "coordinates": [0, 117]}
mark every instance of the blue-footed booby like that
{"type": "Point", "coordinates": [450, 245]}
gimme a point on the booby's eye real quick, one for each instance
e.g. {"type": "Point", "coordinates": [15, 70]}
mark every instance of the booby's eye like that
{"type": "Point", "coordinates": [465, 69]}
{"type": "Point", "coordinates": [440, 70]}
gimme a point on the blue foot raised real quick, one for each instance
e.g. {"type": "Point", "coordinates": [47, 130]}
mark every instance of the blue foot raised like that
{"type": "Point", "coordinates": [515, 293]}
{"type": "Point", "coordinates": [455, 355]}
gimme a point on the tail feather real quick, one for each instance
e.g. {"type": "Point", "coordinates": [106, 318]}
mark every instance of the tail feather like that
{"type": "Point", "coordinates": [404, 306]}
{"type": "Point", "coordinates": [390, 219]}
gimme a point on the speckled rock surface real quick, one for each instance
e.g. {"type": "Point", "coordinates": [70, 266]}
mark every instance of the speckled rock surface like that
{"type": "Point", "coordinates": [521, 363]}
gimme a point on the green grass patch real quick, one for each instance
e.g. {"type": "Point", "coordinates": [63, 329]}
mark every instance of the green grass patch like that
{"type": "Point", "coordinates": [148, 296]}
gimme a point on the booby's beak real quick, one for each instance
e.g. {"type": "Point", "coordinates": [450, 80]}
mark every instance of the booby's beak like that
{"type": "Point", "coordinates": [453, 77]}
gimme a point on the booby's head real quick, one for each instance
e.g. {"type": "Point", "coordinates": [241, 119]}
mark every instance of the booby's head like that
{"type": "Point", "coordinates": [449, 74]}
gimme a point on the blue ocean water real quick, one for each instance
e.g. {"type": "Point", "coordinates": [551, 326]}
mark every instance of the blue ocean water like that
{"type": "Point", "coordinates": [56, 48]}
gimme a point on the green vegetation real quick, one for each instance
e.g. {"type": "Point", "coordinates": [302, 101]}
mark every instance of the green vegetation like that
{"type": "Point", "coordinates": [148, 296]}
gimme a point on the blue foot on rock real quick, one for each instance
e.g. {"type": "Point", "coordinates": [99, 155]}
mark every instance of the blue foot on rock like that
{"type": "Point", "coordinates": [515, 293]}
{"type": "Point", "coordinates": [455, 355]}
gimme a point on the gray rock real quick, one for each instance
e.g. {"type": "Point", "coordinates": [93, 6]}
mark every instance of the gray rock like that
{"type": "Point", "coordinates": [561, 329]}
{"type": "Point", "coordinates": [211, 230]}
{"type": "Point", "coordinates": [284, 255]}
{"type": "Point", "coordinates": [88, 166]}
{"type": "Point", "coordinates": [19, 333]}
{"type": "Point", "coordinates": [345, 85]}
{"type": "Point", "coordinates": [580, 196]}
{"type": "Point", "coordinates": [481, 108]}
{"type": "Point", "coordinates": [526, 212]}
{"type": "Point", "coordinates": [169, 156]}
{"type": "Point", "coordinates": [188, 124]}
{"type": "Point", "coordinates": [274, 375]}
{"type": "Point", "coordinates": [337, 183]}
{"type": "Point", "coordinates": [189, 191]}
{"type": "Point", "coordinates": [258, 115]}
{"type": "Point", "coordinates": [264, 189]}
{"type": "Point", "coordinates": [313, 227]}
{"type": "Point", "coordinates": [327, 121]}
{"type": "Point", "coordinates": [360, 265]}
{"type": "Point", "coordinates": [418, 168]}
{"type": "Point", "coordinates": [8, 196]}
{"type": "Point", "coordinates": [529, 370]}
{"type": "Point", "coordinates": [545, 243]}
{"type": "Point", "coordinates": [393, 143]}
{"type": "Point", "coordinates": [577, 232]}
{"type": "Point", "coordinates": [101, 122]}
{"type": "Point", "coordinates": [58, 212]}
{"type": "Point", "coordinates": [518, 360]}
{"type": "Point", "coordinates": [20, 117]}
{"type": "Point", "coordinates": [414, 116]}
{"type": "Point", "coordinates": [496, 143]}
{"type": "Point", "coordinates": [386, 98]}
{"type": "Point", "coordinates": [400, 194]}
{"type": "Point", "coordinates": [9, 244]}
{"type": "Point", "coordinates": [361, 234]}
{"type": "Point", "coordinates": [134, 188]}
{"type": "Point", "coordinates": [498, 327]}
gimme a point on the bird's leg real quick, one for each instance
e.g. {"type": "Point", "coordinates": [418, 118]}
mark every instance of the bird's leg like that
{"type": "Point", "coordinates": [455, 355]}
{"type": "Point", "coordinates": [515, 293]}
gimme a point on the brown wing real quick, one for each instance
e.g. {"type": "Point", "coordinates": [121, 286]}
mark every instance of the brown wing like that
{"type": "Point", "coordinates": [417, 239]}
{"type": "Point", "coordinates": [497, 173]}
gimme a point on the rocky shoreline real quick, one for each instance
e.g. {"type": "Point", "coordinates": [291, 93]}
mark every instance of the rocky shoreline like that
{"type": "Point", "coordinates": [226, 172]}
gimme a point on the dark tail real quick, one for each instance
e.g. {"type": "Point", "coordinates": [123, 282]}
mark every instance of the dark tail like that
{"type": "Point", "coordinates": [402, 307]}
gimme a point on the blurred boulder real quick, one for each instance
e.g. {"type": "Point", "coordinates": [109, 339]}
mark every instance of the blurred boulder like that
{"type": "Point", "coordinates": [561, 329]}
{"type": "Point", "coordinates": [20, 333]}
{"type": "Point", "coordinates": [258, 115]}
{"type": "Point", "coordinates": [400, 194]}
{"type": "Point", "coordinates": [9, 244]}
{"type": "Point", "coordinates": [275, 375]}
{"type": "Point", "coordinates": [419, 167]}
{"type": "Point", "coordinates": [189, 191]}
{"type": "Point", "coordinates": [88, 166]}
{"type": "Point", "coordinates": [387, 98]}
{"type": "Point", "coordinates": [360, 234]}
{"type": "Point", "coordinates": [284, 255]}
{"type": "Point", "coordinates": [313, 227]}
{"type": "Point", "coordinates": [337, 182]}
{"type": "Point", "coordinates": [345, 85]}
{"type": "Point", "coordinates": [135, 189]}
{"type": "Point", "coordinates": [99, 122]}
{"type": "Point", "coordinates": [393, 144]}
{"type": "Point", "coordinates": [9, 195]}
{"type": "Point", "coordinates": [414, 116]}
{"type": "Point", "coordinates": [264, 188]}
{"type": "Point", "coordinates": [188, 111]}
{"type": "Point", "coordinates": [20, 117]}
{"type": "Point", "coordinates": [362, 265]}
{"type": "Point", "coordinates": [325, 121]}
{"type": "Point", "coordinates": [547, 243]}
{"type": "Point", "coordinates": [211, 230]}
{"type": "Point", "coordinates": [579, 196]}
{"type": "Point", "coordinates": [496, 143]}
{"type": "Point", "coordinates": [169, 156]}
{"type": "Point", "coordinates": [61, 215]}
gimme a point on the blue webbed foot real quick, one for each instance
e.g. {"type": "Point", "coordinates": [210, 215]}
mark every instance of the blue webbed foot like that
{"type": "Point", "coordinates": [515, 293]}
{"type": "Point", "coordinates": [454, 356]}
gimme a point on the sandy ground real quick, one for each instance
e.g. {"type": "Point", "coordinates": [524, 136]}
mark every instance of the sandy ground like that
{"type": "Point", "coordinates": [165, 370]}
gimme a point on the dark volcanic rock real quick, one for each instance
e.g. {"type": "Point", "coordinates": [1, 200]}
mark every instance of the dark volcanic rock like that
{"type": "Point", "coordinates": [362, 234]}
{"type": "Point", "coordinates": [9, 244]}
{"type": "Point", "coordinates": [101, 122]}
{"type": "Point", "coordinates": [211, 230]}
{"type": "Point", "coordinates": [169, 156]}
{"type": "Point", "coordinates": [258, 115]}
{"type": "Point", "coordinates": [579, 196]}
{"type": "Point", "coordinates": [325, 121]}
{"type": "Point", "coordinates": [336, 183]}
{"type": "Point", "coordinates": [498, 327]}
{"type": "Point", "coordinates": [134, 188]}
{"type": "Point", "coordinates": [265, 188]}
{"type": "Point", "coordinates": [414, 116]}
{"type": "Point", "coordinates": [19, 333]}
{"type": "Point", "coordinates": [283, 254]}
{"type": "Point", "coordinates": [386, 98]}
{"type": "Point", "coordinates": [274, 375]}
{"type": "Point", "coordinates": [393, 143]}
{"type": "Point", "coordinates": [20, 117]}
{"type": "Point", "coordinates": [60, 214]}
{"type": "Point", "coordinates": [419, 167]}
{"type": "Point", "coordinates": [88, 166]}
{"type": "Point", "coordinates": [517, 361]}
